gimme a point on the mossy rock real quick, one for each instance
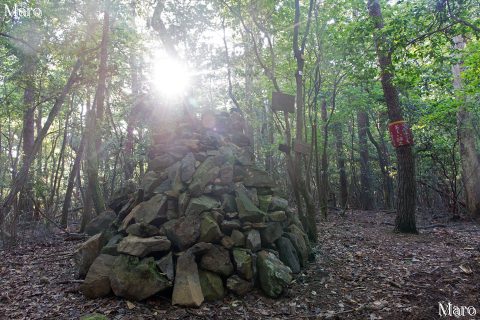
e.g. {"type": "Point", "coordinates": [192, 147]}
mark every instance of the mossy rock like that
{"type": "Point", "coordinates": [136, 279]}
{"type": "Point", "coordinates": [264, 201]}
{"type": "Point", "coordinates": [94, 316]}
{"type": "Point", "coordinates": [212, 285]}
{"type": "Point", "coordinates": [273, 275]}
{"type": "Point", "coordinates": [209, 230]}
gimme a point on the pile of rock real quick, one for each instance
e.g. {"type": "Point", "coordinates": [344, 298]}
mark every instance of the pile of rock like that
{"type": "Point", "coordinates": [204, 220]}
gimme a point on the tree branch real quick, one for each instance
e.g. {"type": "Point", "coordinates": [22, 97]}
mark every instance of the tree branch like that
{"type": "Point", "coordinates": [459, 20]}
{"type": "Point", "coordinates": [229, 72]}
{"type": "Point", "coordinates": [18, 40]}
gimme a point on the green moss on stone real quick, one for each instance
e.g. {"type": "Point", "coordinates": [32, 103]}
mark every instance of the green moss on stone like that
{"type": "Point", "coordinates": [94, 316]}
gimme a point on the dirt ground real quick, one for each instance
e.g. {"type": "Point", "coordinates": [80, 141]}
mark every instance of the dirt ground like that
{"type": "Point", "coordinates": [362, 271]}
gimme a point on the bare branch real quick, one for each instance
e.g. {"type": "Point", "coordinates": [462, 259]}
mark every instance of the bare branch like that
{"type": "Point", "coordinates": [17, 39]}
{"type": "Point", "coordinates": [459, 20]}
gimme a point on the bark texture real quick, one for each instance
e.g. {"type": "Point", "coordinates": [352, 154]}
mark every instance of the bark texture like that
{"type": "Point", "coordinates": [95, 119]}
{"type": "Point", "coordinates": [466, 136]}
{"type": "Point", "coordinates": [406, 188]}
{"type": "Point", "coordinates": [25, 204]}
{"type": "Point", "coordinates": [71, 181]}
{"type": "Point", "coordinates": [366, 200]}
{"type": "Point", "coordinates": [337, 130]}
{"type": "Point", "coordinates": [22, 175]}
{"type": "Point", "coordinates": [301, 191]}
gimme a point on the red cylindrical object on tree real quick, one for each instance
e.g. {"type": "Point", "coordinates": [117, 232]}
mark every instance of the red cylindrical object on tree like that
{"type": "Point", "coordinates": [400, 134]}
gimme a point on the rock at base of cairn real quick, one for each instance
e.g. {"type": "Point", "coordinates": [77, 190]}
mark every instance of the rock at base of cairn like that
{"type": "Point", "coordinates": [187, 290]}
{"type": "Point", "coordinates": [204, 219]}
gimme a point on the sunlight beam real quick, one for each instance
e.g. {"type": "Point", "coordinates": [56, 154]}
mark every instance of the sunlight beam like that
{"type": "Point", "coordinates": [170, 77]}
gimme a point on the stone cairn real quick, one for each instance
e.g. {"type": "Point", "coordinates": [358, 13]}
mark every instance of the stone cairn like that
{"type": "Point", "coordinates": [203, 221]}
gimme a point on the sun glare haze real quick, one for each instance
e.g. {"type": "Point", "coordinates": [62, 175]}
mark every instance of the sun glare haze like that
{"type": "Point", "coordinates": [170, 77]}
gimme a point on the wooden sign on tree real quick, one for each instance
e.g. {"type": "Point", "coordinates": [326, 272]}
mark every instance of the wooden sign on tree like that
{"type": "Point", "coordinates": [284, 148]}
{"type": "Point", "coordinates": [301, 147]}
{"type": "Point", "coordinates": [400, 134]}
{"type": "Point", "coordinates": [283, 102]}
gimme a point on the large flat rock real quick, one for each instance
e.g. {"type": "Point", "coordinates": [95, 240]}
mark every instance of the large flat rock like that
{"type": "Point", "coordinates": [273, 275]}
{"type": "Point", "coordinates": [246, 208]}
{"type": "Point", "coordinates": [136, 279]}
{"type": "Point", "coordinates": [140, 247]}
{"type": "Point", "coordinates": [187, 290]}
{"type": "Point", "coordinates": [97, 282]}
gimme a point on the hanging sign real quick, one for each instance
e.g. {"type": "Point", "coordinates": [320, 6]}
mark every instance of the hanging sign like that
{"type": "Point", "coordinates": [302, 147]}
{"type": "Point", "coordinates": [283, 102]}
{"type": "Point", "coordinates": [284, 148]}
{"type": "Point", "coordinates": [400, 134]}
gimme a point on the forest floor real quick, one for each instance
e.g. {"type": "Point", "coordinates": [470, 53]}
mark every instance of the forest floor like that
{"type": "Point", "coordinates": [362, 271]}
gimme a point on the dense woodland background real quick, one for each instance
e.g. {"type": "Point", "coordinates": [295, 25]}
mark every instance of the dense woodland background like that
{"type": "Point", "coordinates": [78, 83]}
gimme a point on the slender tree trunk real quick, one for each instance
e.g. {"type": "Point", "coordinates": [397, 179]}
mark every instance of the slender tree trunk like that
{"type": "Point", "coordinates": [337, 129]}
{"type": "Point", "coordinates": [353, 188]}
{"type": "Point", "coordinates": [141, 161]}
{"type": "Point", "coordinates": [128, 150]}
{"type": "Point", "coordinates": [56, 178]}
{"type": "Point", "coordinates": [87, 207]}
{"type": "Point", "coordinates": [25, 204]}
{"type": "Point", "coordinates": [71, 182]}
{"type": "Point", "coordinates": [130, 141]}
{"type": "Point", "coordinates": [324, 172]}
{"type": "Point", "coordinates": [302, 192]}
{"type": "Point", "coordinates": [366, 200]}
{"type": "Point", "coordinates": [2, 176]}
{"type": "Point", "coordinates": [389, 195]}
{"type": "Point", "coordinates": [159, 26]}
{"type": "Point", "coordinates": [38, 125]}
{"type": "Point", "coordinates": [470, 158]}
{"type": "Point", "coordinates": [22, 175]}
{"type": "Point", "coordinates": [386, 179]}
{"type": "Point", "coordinates": [95, 191]}
{"type": "Point", "coordinates": [135, 72]}
{"type": "Point", "coordinates": [405, 219]}
{"type": "Point", "coordinates": [317, 158]}
{"type": "Point", "coordinates": [95, 119]}
{"type": "Point", "coordinates": [249, 94]}
{"type": "Point", "coordinates": [269, 139]}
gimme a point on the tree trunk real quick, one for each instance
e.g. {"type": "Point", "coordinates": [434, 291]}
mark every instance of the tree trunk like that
{"type": "Point", "coordinates": [269, 139]}
{"type": "Point", "coordinates": [38, 125]}
{"type": "Point", "coordinates": [71, 182]}
{"type": "Point", "coordinates": [87, 208]}
{"type": "Point", "coordinates": [135, 72]}
{"type": "Point", "coordinates": [129, 141]}
{"type": "Point", "coordinates": [386, 179]}
{"type": "Point", "coordinates": [25, 204]}
{"type": "Point", "coordinates": [22, 175]}
{"type": "Point", "coordinates": [50, 205]}
{"type": "Point", "coordinates": [128, 150]}
{"type": "Point", "coordinates": [95, 119]}
{"type": "Point", "coordinates": [366, 200]}
{"type": "Point", "coordinates": [299, 184]}
{"type": "Point", "coordinates": [337, 130]}
{"type": "Point", "coordinates": [405, 219]}
{"type": "Point", "coordinates": [324, 172]}
{"type": "Point", "coordinates": [95, 191]}
{"type": "Point", "coordinates": [470, 158]}
{"type": "Point", "coordinates": [353, 187]}
{"type": "Point", "coordinates": [389, 195]}
{"type": "Point", "coordinates": [317, 157]}
{"type": "Point", "coordinates": [2, 176]}
{"type": "Point", "coordinates": [159, 26]}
